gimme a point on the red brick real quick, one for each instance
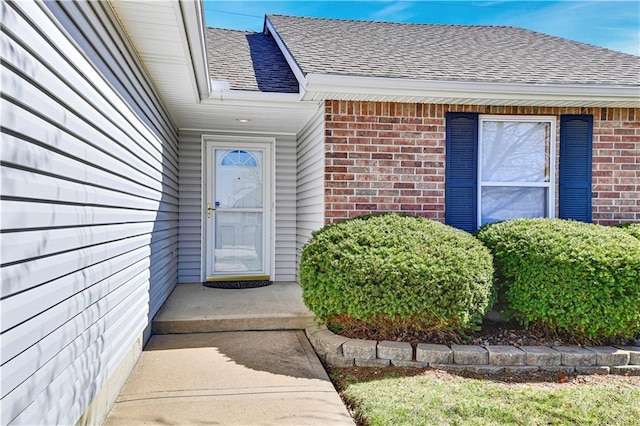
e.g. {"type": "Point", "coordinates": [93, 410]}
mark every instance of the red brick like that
{"type": "Point", "coordinates": [341, 176]}
{"type": "Point", "coordinates": [630, 138]}
{"type": "Point", "coordinates": [385, 138]}
{"type": "Point", "coordinates": [382, 156]}
{"type": "Point", "coordinates": [624, 132]}
{"type": "Point", "coordinates": [366, 207]}
{"type": "Point", "coordinates": [624, 160]}
{"type": "Point", "coordinates": [405, 207]}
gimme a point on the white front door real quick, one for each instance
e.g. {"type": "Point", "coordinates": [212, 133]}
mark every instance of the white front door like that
{"type": "Point", "coordinates": [237, 210]}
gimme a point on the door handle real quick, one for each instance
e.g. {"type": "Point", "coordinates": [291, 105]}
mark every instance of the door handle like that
{"type": "Point", "coordinates": [209, 208]}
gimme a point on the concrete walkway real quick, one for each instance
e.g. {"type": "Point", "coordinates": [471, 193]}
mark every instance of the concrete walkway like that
{"type": "Point", "coordinates": [229, 378]}
{"type": "Point", "coordinates": [202, 366]}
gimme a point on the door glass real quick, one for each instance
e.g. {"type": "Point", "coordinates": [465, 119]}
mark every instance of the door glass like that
{"type": "Point", "coordinates": [239, 215]}
{"type": "Point", "coordinates": [238, 246]}
{"type": "Point", "coordinates": [238, 179]}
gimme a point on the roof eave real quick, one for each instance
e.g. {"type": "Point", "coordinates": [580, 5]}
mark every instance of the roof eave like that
{"type": "Point", "coordinates": [339, 87]}
{"type": "Point", "coordinates": [194, 28]}
{"type": "Point", "coordinates": [276, 99]}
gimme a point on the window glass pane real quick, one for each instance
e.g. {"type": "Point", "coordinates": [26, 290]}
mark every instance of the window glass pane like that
{"type": "Point", "coordinates": [239, 159]}
{"type": "Point", "coordinates": [238, 242]}
{"type": "Point", "coordinates": [507, 202]}
{"type": "Point", "coordinates": [515, 151]}
{"type": "Point", "coordinates": [238, 179]}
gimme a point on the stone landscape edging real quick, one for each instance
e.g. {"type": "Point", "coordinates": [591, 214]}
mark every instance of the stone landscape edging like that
{"type": "Point", "coordinates": [340, 351]}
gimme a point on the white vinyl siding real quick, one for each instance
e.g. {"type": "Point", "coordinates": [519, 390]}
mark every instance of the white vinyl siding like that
{"type": "Point", "coordinates": [191, 207]}
{"type": "Point", "coordinates": [310, 181]}
{"type": "Point", "coordinates": [190, 223]}
{"type": "Point", "coordinates": [89, 207]}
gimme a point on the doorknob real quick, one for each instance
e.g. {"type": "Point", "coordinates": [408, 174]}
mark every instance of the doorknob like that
{"type": "Point", "coordinates": [209, 208]}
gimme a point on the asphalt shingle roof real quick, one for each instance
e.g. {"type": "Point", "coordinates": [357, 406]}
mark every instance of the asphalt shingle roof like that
{"type": "Point", "coordinates": [449, 53]}
{"type": "Point", "coordinates": [248, 61]}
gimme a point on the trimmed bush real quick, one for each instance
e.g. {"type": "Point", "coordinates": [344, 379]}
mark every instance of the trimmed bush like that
{"type": "Point", "coordinates": [568, 276]}
{"type": "Point", "coordinates": [631, 228]}
{"type": "Point", "coordinates": [395, 268]}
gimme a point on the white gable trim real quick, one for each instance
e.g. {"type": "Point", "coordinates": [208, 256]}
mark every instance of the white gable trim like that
{"type": "Point", "coordinates": [302, 81]}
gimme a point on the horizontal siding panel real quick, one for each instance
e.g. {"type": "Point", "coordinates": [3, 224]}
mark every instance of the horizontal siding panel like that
{"type": "Point", "coordinates": [190, 171]}
{"type": "Point", "coordinates": [18, 183]}
{"type": "Point", "coordinates": [56, 314]}
{"type": "Point", "coordinates": [45, 242]}
{"type": "Point", "coordinates": [185, 244]}
{"type": "Point", "coordinates": [87, 85]}
{"type": "Point", "coordinates": [121, 338]}
{"type": "Point", "coordinates": [285, 220]}
{"type": "Point", "coordinates": [29, 215]}
{"type": "Point", "coordinates": [76, 313]}
{"type": "Point", "coordinates": [89, 206]}
{"type": "Point", "coordinates": [148, 106]}
{"type": "Point", "coordinates": [21, 153]}
{"type": "Point", "coordinates": [23, 276]}
{"type": "Point", "coordinates": [51, 111]}
{"type": "Point", "coordinates": [79, 367]}
{"type": "Point", "coordinates": [143, 89]}
{"type": "Point", "coordinates": [108, 359]}
{"type": "Point", "coordinates": [164, 280]}
{"type": "Point", "coordinates": [61, 100]}
{"type": "Point", "coordinates": [310, 181]}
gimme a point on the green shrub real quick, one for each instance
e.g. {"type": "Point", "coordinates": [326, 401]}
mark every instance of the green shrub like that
{"type": "Point", "coordinates": [569, 276]}
{"type": "Point", "coordinates": [631, 228]}
{"type": "Point", "coordinates": [395, 268]}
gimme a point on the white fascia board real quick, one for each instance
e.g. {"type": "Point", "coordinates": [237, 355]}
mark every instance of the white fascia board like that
{"type": "Point", "coordinates": [318, 86]}
{"type": "Point", "coordinates": [302, 81]}
{"type": "Point", "coordinates": [258, 99]}
{"type": "Point", "coordinates": [194, 25]}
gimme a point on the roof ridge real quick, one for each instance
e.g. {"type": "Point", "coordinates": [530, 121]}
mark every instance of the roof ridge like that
{"type": "Point", "coordinates": [393, 22]}
{"type": "Point", "coordinates": [233, 30]}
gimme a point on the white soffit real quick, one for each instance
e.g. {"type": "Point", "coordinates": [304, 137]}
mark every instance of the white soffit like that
{"type": "Point", "coordinates": [338, 87]}
{"type": "Point", "coordinates": [169, 40]}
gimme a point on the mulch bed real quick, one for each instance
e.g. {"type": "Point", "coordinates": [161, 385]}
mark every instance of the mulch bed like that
{"type": "Point", "coordinates": [490, 333]}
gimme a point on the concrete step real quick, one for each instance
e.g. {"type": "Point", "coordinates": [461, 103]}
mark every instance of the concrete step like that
{"type": "Point", "coordinates": [193, 308]}
{"type": "Point", "coordinates": [245, 323]}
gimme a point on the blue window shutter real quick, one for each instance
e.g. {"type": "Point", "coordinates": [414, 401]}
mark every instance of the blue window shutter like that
{"type": "Point", "coordinates": [576, 134]}
{"type": "Point", "coordinates": [461, 174]}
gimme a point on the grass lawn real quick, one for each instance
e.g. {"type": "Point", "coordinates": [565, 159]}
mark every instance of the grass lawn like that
{"type": "Point", "coordinates": [430, 397]}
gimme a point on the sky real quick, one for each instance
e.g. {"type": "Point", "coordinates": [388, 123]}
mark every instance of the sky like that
{"type": "Point", "coordinates": [614, 24]}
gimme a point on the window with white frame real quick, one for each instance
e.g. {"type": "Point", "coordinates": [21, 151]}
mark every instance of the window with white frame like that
{"type": "Point", "coordinates": [516, 157]}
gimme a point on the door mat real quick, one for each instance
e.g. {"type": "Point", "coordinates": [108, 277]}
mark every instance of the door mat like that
{"type": "Point", "coordinates": [237, 284]}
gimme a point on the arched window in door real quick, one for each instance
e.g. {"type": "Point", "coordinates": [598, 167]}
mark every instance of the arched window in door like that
{"type": "Point", "coordinates": [239, 158]}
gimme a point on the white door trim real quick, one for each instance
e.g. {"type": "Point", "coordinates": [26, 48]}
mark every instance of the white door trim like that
{"type": "Point", "coordinates": [238, 142]}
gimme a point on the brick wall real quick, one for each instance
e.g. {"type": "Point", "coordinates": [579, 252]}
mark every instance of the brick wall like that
{"type": "Point", "coordinates": [391, 157]}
